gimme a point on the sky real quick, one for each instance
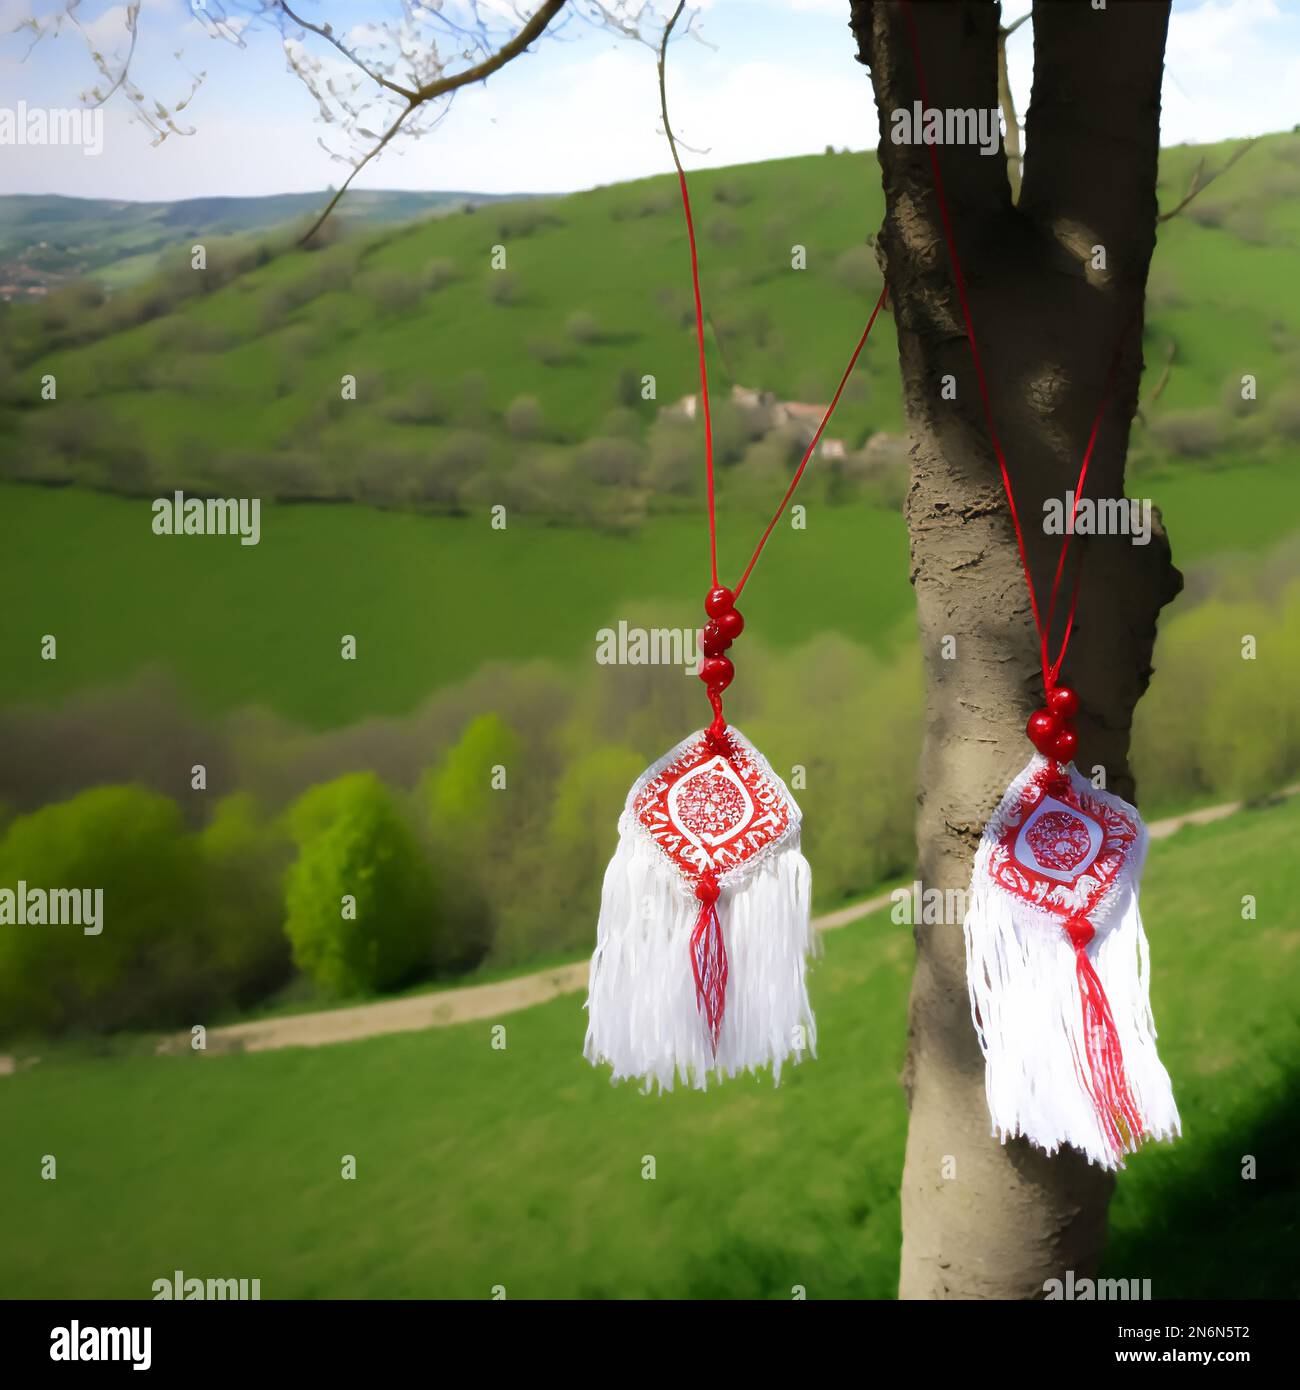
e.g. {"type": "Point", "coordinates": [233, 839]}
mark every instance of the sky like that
{"type": "Point", "coordinates": [772, 78]}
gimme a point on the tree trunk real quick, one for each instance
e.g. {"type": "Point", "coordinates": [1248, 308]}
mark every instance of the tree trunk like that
{"type": "Point", "coordinates": [983, 1220]}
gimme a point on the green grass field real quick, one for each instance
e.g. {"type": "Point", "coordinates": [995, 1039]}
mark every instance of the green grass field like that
{"type": "Point", "coordinates": [431, 599]}
{"type": "Point", "coordinates": [522, 1167]}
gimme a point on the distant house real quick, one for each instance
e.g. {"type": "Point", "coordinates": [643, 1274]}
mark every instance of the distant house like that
{"type": "Point", "coordinates": [799, 413]}
{"type": "Point", "coordinates": [768, 413]}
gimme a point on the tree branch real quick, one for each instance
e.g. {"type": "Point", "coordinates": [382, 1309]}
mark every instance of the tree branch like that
{"type": "Point", "coordinates": [413, 97]}
{"type": "Point", "coordinates": [1198, 185]}
{"type": "Point", "coordinates": [347, 183]}
{"type": "Point", "coordinates": [1007, 100]}
{"type": "Point", "coordinates": [499, 59]}
{"type": "Point", "coordinates": [327, 33]}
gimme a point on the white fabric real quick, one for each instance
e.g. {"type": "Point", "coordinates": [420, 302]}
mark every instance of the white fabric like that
{"type": "Point", "coordinates": [1025, 1002]}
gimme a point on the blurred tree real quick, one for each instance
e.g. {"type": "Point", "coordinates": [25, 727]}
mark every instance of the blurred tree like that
{"type": "Point", "coordinates": [360, 898]}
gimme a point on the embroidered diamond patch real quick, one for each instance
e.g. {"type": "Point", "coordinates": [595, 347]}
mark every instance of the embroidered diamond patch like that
{"type": "Point", "coordinates": [1060, 848]}
{"type": "Point", "coordinates": [710, 812]}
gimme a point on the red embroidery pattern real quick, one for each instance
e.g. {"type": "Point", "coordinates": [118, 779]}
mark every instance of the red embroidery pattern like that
{"type": "Point", "coordinates": [1059, 840]}
{"type": "Point", "coordinates": [1066, 857]}
{"type": "Point", "coordinates": [710, 813]}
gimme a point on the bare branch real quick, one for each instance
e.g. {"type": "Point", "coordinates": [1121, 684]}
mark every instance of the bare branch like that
{"type": "Point", "coordinates": [516, 46]}
{"type": "Point", "coordinates": [1164, 375]}
{"type": "Point", "coordinates": [347, 183]}
{"type": "Point", "coordinates": [663, 90]}
{"type": "Point", "coordinates": [1199, 184]}
{"type": "Point", "coordinates": [1006, 99]}
{"type": "Point", "coordinates": [326, 32]}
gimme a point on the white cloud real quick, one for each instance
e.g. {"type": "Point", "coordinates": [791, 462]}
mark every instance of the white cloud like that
{"type": "Point", "coordinates": [1225, 71]}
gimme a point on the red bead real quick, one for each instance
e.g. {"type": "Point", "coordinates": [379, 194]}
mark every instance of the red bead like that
{"type": "Point", "coordinates": [1042, 729]}
{"type": "Point", "coordinates": [714, 642]}
{"type": "Point", "coordinates": [719, 601]}
{"type": "Point", "coordinates": [1063, 702]}
{"type": "Point", "coordinates": [730, 624]}
{"type": "Point", "coordinates": [1064, 746]}
{"type": "Point", "coordinates": [717, 672]}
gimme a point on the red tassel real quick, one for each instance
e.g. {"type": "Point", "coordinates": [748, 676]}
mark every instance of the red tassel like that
{"type": "Point", "coordinates": [709, 957]}
{"type": "Point", "coordinates": [1108, 1088]}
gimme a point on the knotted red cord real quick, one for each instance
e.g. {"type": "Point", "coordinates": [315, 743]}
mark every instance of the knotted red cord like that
{"type": "Point", "coordinates": [709, 956]}
{"type": "Point", "coordinates": [1051, 669]}
{"type": "Point", "coordinates": [1106, 1082]}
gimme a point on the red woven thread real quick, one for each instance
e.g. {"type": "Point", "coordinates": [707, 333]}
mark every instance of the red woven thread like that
{"type": "Point", "coordinates": [1105, 1082]}
{"type": "Point", "coordinates": [709, 957]}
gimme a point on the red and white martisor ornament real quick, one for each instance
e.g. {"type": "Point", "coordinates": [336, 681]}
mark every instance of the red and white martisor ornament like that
{"type": "Point", "coordinates": [1056, 957]}
{"type": "Point", "coordinates": [1058, 966]}
{"type": "Point", "coordinates": [705, 926]}
{"type": "Point", "coordinates": [704, 923]}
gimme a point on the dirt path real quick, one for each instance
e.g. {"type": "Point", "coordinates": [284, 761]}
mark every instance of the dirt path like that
{"type": "Point", "coordinates": [437, 1009]}
{"type": "Point", "coordinates": [443, 1008]}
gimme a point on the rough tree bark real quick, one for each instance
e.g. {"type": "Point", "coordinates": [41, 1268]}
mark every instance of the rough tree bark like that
{"type": "Point", "coordinates": [1047, 324]}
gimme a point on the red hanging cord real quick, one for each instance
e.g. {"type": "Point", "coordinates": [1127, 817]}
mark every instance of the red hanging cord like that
{"type": "Point", "coordinates": [1052, 672]}
{"type": "Point", "coordinates": [808, 453]}
{"type": "Point", "coordinates": [1051, 669]}
{"type": "Point", "coordinates": [695, 285]}
{"type": "Point", "coordinates": [704, 375]}
{"type": "Point", "coordinates": [704, 371]}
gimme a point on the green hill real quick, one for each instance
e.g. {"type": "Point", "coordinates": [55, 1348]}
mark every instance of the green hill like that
{"type": "Point", "coordinates": [47, 239]}
{"type": "Point", "coordinates": [522, 379]}
{"type": "Point", "coordinates": [235, 389]}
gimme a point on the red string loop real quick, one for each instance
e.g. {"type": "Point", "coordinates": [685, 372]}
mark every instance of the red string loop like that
{"type": "Point", "coordinates": [717, 730]}
{"type": "Point", "coordinates": [1050, 669]}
